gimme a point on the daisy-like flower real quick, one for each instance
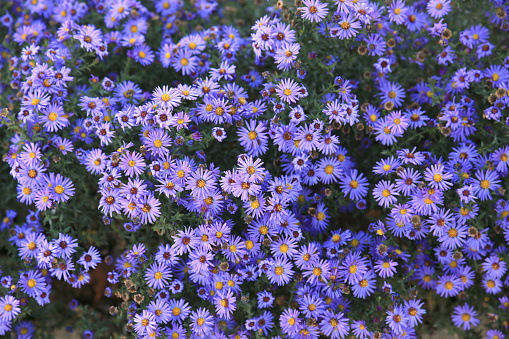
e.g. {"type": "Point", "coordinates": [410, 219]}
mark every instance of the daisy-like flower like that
{"type": "Point", "coordinates": [280, 272]}
{"type": "Point", "coordinates": [437, 178]}
{"type": "Point", "coordinates": [184, 61]}
{"type": "Point", "coordinates": [464, 316]}
{"type": "Point", "coordinates": [398, 12]}
{"type": "Point", "coordinates": [225, 304]}
{"type": "Point", "coordinates": [35, 100]}
{"type": "Point", "coordinates": [334, 325]}
{"type": "Point", "coordinates": [466, 193]}
{"type": "Point", "coordinates": [157, 142]}
{"type": "Point", "coordinates": [290, 321]}
{"type": "Point", "coordinates": [448, 286]}
{"type": "Point", "coordinates": [414, 309]}
{"type": "Point", "coordinates": [89, 37]}
{"type": "Point", "coordinates": [494, 267]}
{"type": "Point", "coordinates": [160, 310]}
{"type": "Point", "coordinates": [492, 285]}
{"type": "Point", "coordinates": [353, 268]}
{"type": "Point", "coordinates": [386, 268]}
{"type": "Point", "coordinates": [314, 10]}
{"type": "Point", "coordinates": [179, 310]}
{"type": "Point", "coordinates": [157, 276]}
{"type": "Point", "coordinates": [9, 308]}
{"type": "Point", "coordinates": [501, 159]}
{"type": "Point", "coordinates": [143, 54]}
{"type": "Point", "coordinates": [329, 170]}
{"type": "Point", "coordinates": [288, 90]}
{"type": "Point", "coordinates": [438, 8]}
{"type": "Point", "coordinates": [166, 97]}
{"type": "Point", "coordinates": [148, 208]}
{"type": "Point", "coordinates": [201, 183]}
{"type": "Point", "coordinates": [486, 182]}
{"type": "Point", "coordinates": [355, 185]}
{"type": "Point", "coordinates": [132, 164]}
{"type": "Point", "coordinates": [360, 330]}
{"type": "Point", "coordinates": [225, 71]}
{"type": "Point", "coordinates": [286, 55]}
{"type": "Point", "coordinates": [347, 27]}
{"type": "Point", "coordinates": [365, 286]}
{"type": "Point", "coordinates": [397, 319]}
{"type": "Point", "coordinates": [61, 187]}
{"type": "Point", "coordinates": [253, 138]}
{"type": "Point", "coordinates": [392, 92]}
{"type": "Point", "coordinates": [90, 259]}
{"type": "Point", "coordinates": [385, 193]}
{"type": "Point", "coordinates": [384, 133]}
{"type": "Point", "coordinates": [145, 323]}
{"type": "Point", "coordinates": [201, 321]}
{"type": "Point", "coordinates": [53, 118]}
{"type": "Point", "coordinates": [453, 236]}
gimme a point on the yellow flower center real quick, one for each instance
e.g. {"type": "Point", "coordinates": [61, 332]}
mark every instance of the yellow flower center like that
{"type": "Point", "coordinates": [485, 184]}
{"type": "Point", "coordinates": [252, 135]}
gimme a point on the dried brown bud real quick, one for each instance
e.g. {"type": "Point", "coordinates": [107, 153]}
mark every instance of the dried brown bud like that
{"type": "Point", "coordinates": [224, 266]}
{"type": "Point", "coordinates": [472, 231]}
{"type": "Point", "coordinates": [139, 298]}
{"type": "Point", "coordinates": [129, 327]}
{"type": "Point", "coordinates": [143, 150]}
{"type": "Point", "coordinates": [311, 322]}
{"type": "Point", "coordinates": [312, 211]}
{"type": "Point", "coordinates": [115, 157]}
{"type": "Point", "coordinates": [501, 92]}
{"type": "Point", "coordinates": [113, 310]}
{"type": "Point", "coordinates": [382, 249]}
{"type": "Point", "coordinates": [446, 34]}
{"type": "Point", "coordinates": [389, 105]}
{"type": "Point", "coordinates": [492, 98]}
{"type": "Point", "coordinates": [416, 220]}
{"type": "Point", "coordinates": [128, 283]}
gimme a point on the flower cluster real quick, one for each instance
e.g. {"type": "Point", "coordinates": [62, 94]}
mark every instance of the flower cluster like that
{"type": "Point", "coordinates": [291, 170]}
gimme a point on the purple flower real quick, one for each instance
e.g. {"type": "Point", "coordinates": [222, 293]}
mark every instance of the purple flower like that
{"type": "Point", "coordinates": [464, 316]}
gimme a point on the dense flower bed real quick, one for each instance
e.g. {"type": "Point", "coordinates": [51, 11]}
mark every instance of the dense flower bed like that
{"type": "Point", "coordinates": [251, 169]}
